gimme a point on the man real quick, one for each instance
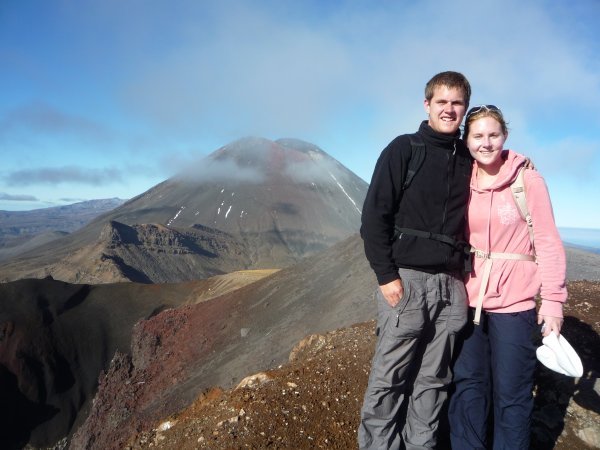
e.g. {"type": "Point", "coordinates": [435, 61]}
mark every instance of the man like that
{"type": "Point", "coordinates": [413, 239]}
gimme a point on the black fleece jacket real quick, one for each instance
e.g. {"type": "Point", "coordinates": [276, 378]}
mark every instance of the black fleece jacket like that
{"type": "Point", "coordinates": [435, 201]}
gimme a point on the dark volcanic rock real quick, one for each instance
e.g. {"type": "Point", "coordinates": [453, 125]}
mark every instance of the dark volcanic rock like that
{"type": "Point", "coordinates": [55, 339]}
{"type": "Point", "coordinates": [48, 368]}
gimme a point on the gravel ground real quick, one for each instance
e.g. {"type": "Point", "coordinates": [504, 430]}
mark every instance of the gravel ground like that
{"type": "Point", "coordinates": [314, 401]}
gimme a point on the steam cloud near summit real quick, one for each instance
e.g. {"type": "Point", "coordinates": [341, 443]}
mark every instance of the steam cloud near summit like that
{"type": "Point", "coordinates": [252, 170]}
{"type": "Point", "coordinates": [311, 171]}
{"type": "Point", "coordinates": [217, 171]}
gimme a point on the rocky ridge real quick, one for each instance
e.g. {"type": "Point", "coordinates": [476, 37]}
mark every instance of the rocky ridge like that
{"type": "Point", "coordinates": [152, 253]}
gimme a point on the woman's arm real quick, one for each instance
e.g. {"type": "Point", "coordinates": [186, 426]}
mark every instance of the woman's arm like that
{"type": "Point", "coordinates": [550, 252]}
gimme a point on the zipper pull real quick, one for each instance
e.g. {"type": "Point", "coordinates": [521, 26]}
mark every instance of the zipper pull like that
{"type": "Point", "coordinates": [397, 319]}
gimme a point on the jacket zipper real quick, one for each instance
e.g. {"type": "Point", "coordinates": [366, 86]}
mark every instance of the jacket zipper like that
{"type": "Point", "coordinates": [450, 159]}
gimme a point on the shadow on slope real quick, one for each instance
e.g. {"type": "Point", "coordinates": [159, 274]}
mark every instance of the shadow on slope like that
{"type": "Point", "coordinates": [56, 338]}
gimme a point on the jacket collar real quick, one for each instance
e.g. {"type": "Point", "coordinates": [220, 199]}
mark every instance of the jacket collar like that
{"type": "Point", "coordinates": [438, 139]}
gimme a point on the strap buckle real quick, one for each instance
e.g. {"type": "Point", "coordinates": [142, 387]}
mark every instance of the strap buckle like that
{"type": "Point", "coordinates": [480, 254]}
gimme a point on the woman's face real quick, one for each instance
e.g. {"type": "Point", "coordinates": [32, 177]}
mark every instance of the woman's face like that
{"type": "Point", "coordinates": [486, 141]}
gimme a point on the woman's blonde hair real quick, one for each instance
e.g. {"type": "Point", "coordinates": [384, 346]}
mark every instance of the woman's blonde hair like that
{"type": "Point", "coordinates": [481, 111]}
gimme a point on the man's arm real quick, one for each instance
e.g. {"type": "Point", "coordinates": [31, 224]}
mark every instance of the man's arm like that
{"type": "Point", "coordinates": [378, 216]}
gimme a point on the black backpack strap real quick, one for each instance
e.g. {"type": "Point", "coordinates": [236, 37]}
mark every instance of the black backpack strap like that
{"type": "Point", "coordinates": [459, 245]}
{"type": "Point", "coordinates": [416, 160]}
{"type": "Point", "coordinates": [428, 235]}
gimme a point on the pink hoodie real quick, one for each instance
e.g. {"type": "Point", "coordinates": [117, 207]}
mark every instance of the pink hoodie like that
{"type": "Point", "coordinates": [495, 225]}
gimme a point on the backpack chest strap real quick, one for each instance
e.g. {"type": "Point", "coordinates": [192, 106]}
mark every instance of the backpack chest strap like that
{"type": "Point", "coordinates": [399, 231]}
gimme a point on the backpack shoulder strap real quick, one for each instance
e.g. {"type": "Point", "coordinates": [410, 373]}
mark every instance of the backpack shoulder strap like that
{"type": "Point", "coordinates": [519, 194]}
{"type": "Point", "coordinates": [416, 160]}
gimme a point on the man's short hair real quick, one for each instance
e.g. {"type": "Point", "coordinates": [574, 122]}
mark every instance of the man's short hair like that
{"type": "Point", "coordinates": [451, 80]}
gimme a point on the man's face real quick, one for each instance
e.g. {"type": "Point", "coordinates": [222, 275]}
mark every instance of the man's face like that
{"type": "Point", "coordinates": [446, 109]}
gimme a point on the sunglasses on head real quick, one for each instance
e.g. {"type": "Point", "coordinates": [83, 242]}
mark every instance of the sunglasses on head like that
{"type": "Point", "coordinates": [477, 109]}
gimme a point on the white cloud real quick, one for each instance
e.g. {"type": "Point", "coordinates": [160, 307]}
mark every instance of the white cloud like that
{"type": "Point", "coordinates": [208, 171]}
{"type": "Point", "coordinates": [316, 171]}
{"type": "Point", "coordinates": [572, 155]}
{"type": "Point", "coordinates": [65, 174]}
{"type": "Point", "coordinates": [256, 75]}
{"type": "Point", "coordinates": [17, 197]}
{"type": "Point", "coordinates": [262, 70]}
{"type": "Point", "coordinates": [40, 117]}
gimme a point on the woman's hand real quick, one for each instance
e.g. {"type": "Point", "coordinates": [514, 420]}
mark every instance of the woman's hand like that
{"type": "Point", "coordinates": [551, 324]}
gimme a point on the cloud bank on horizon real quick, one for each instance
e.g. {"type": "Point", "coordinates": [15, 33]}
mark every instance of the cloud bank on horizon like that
{"type": "Point", "coordinates": [107, 99]}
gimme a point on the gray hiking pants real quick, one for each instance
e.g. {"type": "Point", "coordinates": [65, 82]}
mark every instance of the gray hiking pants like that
{"type": "Point", "coordinates": [410, 371]}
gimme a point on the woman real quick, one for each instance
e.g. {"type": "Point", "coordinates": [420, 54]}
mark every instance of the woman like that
{"type": "Point", "coordinates": [494, 369]}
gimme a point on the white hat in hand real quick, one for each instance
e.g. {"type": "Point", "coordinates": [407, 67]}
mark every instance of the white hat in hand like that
{"type": "Point", "coordinates": [558, 355]}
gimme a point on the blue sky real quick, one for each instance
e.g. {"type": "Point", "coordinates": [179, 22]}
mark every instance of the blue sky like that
{"type": "Point", "coordinates": [108, 98]}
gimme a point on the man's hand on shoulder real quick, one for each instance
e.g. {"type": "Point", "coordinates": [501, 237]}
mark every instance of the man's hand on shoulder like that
{"type": "Point", "coordinates": [392, 292]}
